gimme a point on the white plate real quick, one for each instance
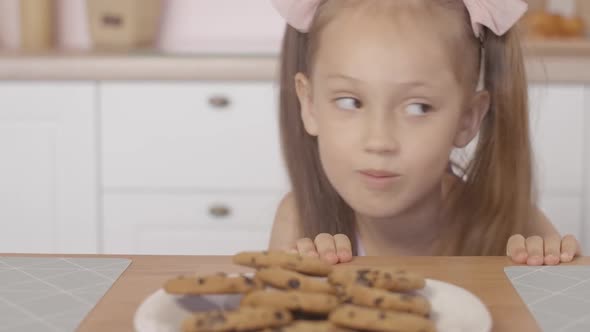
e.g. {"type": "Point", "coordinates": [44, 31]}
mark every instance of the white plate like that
{"type": "Point", "coordinates": [454, 309]}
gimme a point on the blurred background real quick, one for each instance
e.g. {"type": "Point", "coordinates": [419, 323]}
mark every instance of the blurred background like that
{"type": "Point", "coordinates": [150, 126]}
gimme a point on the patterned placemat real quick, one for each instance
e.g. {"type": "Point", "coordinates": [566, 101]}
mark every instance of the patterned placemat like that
{"type": "Point", "coordinates": [557, 296]}
{"type": "Point", "coordinates": [53, 294]}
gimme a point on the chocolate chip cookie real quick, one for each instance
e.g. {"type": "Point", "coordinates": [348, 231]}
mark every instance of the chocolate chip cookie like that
{"type": "Point", "coordinates": [242, 319]}
{"type": "Point", "coordinates": [315, 303]}
{"type": "Point", "coordinates": [384, 278]}
{"type": "Point", "coordinates": [212, 284]}
{"type": "Point", "coordinates": [387, 300]}
{"type": "Point", "coordinates": [307, 265]}
{"type": "Point", "coordinates": [310, 326]}
{"type": "Point", "coordinates": [370, 319]}
{"type": "Point", "coordinates": [290, 280]}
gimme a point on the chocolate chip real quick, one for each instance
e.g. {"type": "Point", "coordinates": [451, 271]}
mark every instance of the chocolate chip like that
{"type": "Point", "coordinates": [217, 318]}
{"type": "Point", "coordinates": [363, 273]}
{"type": "Point", "coordinates": [382, 315]}
{"type": "Point", "coordinates": [364, 282]}
{"type": "Point", "coordinates": [361, 278]}
{"type": "Point", "coordinates": [200, 281]}
{"type": "Point", "coordinates": [199, 323]}
{"type": "Point", "coordinates": [407, 298]}
{"type": "Point", "coordinates": [248, 281]}
{"type": "Point", "coordinates": [278, 315]}
{"type": "Point", "coordinates": [293, 283]}
{"type": "Point", "coordinates": [378, 301]}
{"type": "Point", "coordinates": [253, 260]}
{"type": "Point", "coordinates": [265, 253]}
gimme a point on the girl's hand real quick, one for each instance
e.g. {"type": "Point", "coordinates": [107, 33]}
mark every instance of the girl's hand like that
{"type": "Point", "coordinates": [333, 249]}
{"type": "Point", "coordinates": [536, 250]}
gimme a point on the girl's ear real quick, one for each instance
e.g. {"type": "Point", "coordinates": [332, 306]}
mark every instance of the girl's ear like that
{"type": "Point", "coordinates": [471, 119]}
{"type": "Point", "coordinates": [303, 89]}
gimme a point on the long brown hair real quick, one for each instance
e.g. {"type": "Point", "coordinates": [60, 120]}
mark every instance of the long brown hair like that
{"type": "Point", "coordinates": [495, 199]}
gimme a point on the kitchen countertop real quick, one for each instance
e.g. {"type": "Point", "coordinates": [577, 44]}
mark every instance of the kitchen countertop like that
{"type": "Point", "coordinates": [484, 276]}
{"type": "Point", "coordinates": [546, 62]}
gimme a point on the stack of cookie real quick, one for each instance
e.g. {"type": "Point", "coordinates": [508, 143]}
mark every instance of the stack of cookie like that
{"type": "Point", "coordinates": [293, 293]}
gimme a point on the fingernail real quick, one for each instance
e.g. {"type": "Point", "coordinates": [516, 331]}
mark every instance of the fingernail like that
{"type": "Point", "coordinates": [522, 257]}
{"type": "Point", "coordinates": [345, 256]}
{"type": "Point", "coordinates": [551, 260]}
{"type": "Point", "coordinates": [331, 256]}
{"type": "Point", "coordinates": [565, 257]}
{"type": "Point", "coordinates": [535, 260]}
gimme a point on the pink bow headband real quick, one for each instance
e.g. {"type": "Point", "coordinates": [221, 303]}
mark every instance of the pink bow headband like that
{"type": "Point", "coordinates": [497, 15]}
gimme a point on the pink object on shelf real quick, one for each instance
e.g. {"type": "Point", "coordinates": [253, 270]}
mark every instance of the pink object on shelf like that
{"type": "Point", "coordinates": [9, 24]}
{"type": "Point", "coordinates": [220, 26]}
{"type": "Point", "coordinates": [72, 25]}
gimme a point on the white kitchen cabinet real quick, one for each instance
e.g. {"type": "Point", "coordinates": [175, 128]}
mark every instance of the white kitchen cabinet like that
{"type": "Point", "coordinates": [557, 130]}
{"type": "Point", "coordinates": [48, 172]}
{"type": "Point", "coordinates": [189, 167]}
{"type": "Point", "coordinates": [207, 135]}
{"type": "Point", "coordinates": [586, 179]}
{"type": "Point", "coordinates": [190, 223]}
{"type": "Point", "coordinates": [565, 212]}
{"type": "Point", "coordinates": [195, 167]}
{"type": "Point", "coordinates": [558, 127]}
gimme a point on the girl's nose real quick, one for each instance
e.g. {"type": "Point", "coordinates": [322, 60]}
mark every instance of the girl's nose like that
{"type": "Point", "coordinates": [380, 135]}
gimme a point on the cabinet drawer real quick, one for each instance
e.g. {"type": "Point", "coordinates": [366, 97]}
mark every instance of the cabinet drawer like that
{"type": "Point", "coordinates": [557, 129]}
{"type": "Point", "coordinates": [195, 241]}
{"type": "Point", "coordinates": [202, 135]}
{"type": "Point", "coordinates": [181, 224]}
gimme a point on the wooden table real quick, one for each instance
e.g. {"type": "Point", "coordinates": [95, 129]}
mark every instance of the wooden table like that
{"type": "Point", "coordinates": [483, 276]}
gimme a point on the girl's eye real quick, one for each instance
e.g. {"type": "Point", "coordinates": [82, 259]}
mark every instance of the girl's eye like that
{"type": "Point", "coordinates": [418, 109]}
{"type": "Point", "coordinates": [348, 103]}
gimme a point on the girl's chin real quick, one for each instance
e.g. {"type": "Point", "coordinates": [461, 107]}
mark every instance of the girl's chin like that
{"type": "Point", "coordinates": [376, 214]}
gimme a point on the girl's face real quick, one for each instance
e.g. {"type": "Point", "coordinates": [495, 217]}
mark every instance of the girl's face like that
{"type": "Point", "coordinates": [386, 106]}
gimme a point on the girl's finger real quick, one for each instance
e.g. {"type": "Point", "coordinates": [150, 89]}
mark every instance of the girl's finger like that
{"type": "Point", "coordinates": [552, 247]}
{"type": "Point", "coordinates": [343, 248]}
{"type": "Point", "coordinates": [326, 247]}
{"type": "Point", "coordinates": [534, 248]}
{"type": "Point", "coordinates": [516, 249]}
{"type": "Point", "coordinates": [305, 247]}
{"type": "Point", "coordinates": [569, 248]}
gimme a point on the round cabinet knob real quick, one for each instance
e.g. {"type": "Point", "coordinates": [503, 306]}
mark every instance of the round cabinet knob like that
{"type": "Point", "coordinates": [111, 20]}
{"type": "Point", "coordinates": [219, 211]}
{"type": "Point", "coordinates": [219, 102]}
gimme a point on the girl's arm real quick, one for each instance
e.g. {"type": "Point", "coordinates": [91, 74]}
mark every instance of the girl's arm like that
{"type": "Point", "coordinates": [285, 230]}
{"type": "Point", "coordinates": [541, 225]}
{"type": "Point", "coordinates": [286, 236]}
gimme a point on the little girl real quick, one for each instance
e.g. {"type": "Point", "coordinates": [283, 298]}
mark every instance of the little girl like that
{"type": "Point", "coordinates": [375, 96]}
